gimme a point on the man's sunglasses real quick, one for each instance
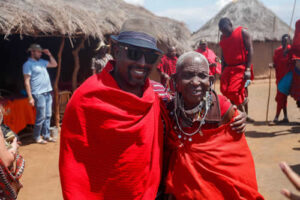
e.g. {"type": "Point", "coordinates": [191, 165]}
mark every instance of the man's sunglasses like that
{"type": "Point", "coordinates": [135, 53]}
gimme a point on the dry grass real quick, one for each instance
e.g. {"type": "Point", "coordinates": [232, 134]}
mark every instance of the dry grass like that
{"type": "Point", "coordinates": [250, 14]}
{"type": "Point", "coordinates": [73, 18]}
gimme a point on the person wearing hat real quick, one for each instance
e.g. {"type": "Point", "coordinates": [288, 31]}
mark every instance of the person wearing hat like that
{"type": "Point", "coordinates": [112, 132]}
{"type": "Point", "coordinates": [101, 59]}
{"type": "Point", "coordinates": [213, 60]}
{"type": "Point", "coordinates": [38, 88]}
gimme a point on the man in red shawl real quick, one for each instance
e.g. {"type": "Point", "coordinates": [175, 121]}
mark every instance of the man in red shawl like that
{"type": "Point", "coordinates": [237, 54]}
{"type": "Point", "coordinates": [213, 60]}
{"type": "Point", "coordinates": [167, 67]}
{"type": "Point", "coordinates": [295, 64]}
{"type": "Point", "coordinates": [112, 132]}
{"type": "Point", "coordinates": [207, 158]}
{"type": "Point", "coordinates": [281, 65]}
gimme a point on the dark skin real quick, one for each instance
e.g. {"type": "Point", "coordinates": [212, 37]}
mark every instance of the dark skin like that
{"type": "Point", "coordinates": [170, 53]}
{"type": "Point", "coordinates": [193, 80]}
{"type": "Point", "coordinates": [131, 75]}
{"type": "Point", "coordinates": [203, 46]}
{"type": "Point", "coordinates": [227, 30]}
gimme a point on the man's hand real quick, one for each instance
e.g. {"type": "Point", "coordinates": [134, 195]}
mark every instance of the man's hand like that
{"type": "Point", "coordinates": [239, 124]}
{"type": "Point", "coordinates": [247, 75]}
{"type": "Point", "coordinates": [271, 65]}
{"type": "Point", "coordinates": [294, 179]}
{"type": "Point", "coordinates": [31, 101]}
{"type": "Point", "coordinates": [47, 52]}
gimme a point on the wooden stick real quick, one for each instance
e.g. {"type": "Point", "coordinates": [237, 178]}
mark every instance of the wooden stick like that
{"type": "Point", "coordinates": [76, 64]}
{"type": "Point", "coordinates": [56, 89]}
{"type": "Point", "coordinates": [270, 76]}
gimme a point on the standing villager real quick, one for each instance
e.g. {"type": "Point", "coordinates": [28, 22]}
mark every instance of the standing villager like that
{"type": "Point", "coordinates": [112, 132]}
{"type": "Point", "coordinates": [101, 59]}
{"type": "Point", "coordinates": [213, 60]}
{"type": "Point", "coordinates": [38, 88]}
{"type": "Point", "coordinates": [207, 152]}
{"type": "Point", "coordinates": [281, 65]}
{"type": "Point", "coordinates": [295, 64]}
{"type": "Point", "coordinates": [237, 51]}
{"type": "Point", "coordinates": [167, 67]}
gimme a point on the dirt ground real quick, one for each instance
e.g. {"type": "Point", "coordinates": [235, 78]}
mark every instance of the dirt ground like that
{"type": "Point", "coordinates": [269, 145]}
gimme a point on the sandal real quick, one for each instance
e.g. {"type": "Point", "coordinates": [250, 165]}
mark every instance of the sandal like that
{"type": "Point", "coordinates": [50, 139]}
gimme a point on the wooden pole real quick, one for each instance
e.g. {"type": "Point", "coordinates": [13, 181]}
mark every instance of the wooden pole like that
{"type": "Point", "coordinates": [76, 64]}
{"type": "Point", "coordinates": [270, 75]}
{"type": "Point", "coordinates": [56, 89]}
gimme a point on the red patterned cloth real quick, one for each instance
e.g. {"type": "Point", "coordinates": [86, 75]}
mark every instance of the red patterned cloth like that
{"type": "Point", "coordinates": [212, 59]}
{"type": "Point", "coordinates": [111, 142]}
{"type": "Point", "coordinates": [217, 165]}
{"type": "Point", "coordinates": [235, 56]}
{"type": "Point", "coordinates": [168, 66]}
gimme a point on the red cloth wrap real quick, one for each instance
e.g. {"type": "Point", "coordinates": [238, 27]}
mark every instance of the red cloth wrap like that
{"type": "Point", "coordinates": [211, 58]}
{"type": "Point", "coordinates": [167, 66]}
{"type": "Point", "coordinates": [295, 88]}
{"type": "Point", "coordinates": [111, 142]}
{"type": "Point", "coordinates": [233, 84]}
{"type": "Point", "coordinates": [281, 100]}
{"type": "Point", "coordinates": [235, 56]}
{"type": "Point", "coordinates": [217, 165]}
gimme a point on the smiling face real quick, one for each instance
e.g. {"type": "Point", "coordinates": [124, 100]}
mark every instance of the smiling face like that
{"type": "Point", "coordinates": [132, 73]}
{"type": "Point", "coordinates": [193, 80]}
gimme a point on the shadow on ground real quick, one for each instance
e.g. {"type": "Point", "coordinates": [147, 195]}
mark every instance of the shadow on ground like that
{"type": "Point", "coordinates": [296, 168]}
{"type": "Point", "coordinates": [293, 129]}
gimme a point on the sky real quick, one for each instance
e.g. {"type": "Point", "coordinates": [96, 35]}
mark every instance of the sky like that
{"type": "Point", "coordinates": [196, 12]}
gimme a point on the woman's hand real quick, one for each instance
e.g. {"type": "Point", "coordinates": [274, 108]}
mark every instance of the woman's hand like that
{"type": "Point", "coordinates": [239, 123]}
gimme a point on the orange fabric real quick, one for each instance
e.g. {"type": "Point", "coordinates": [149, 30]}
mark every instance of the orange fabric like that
{"type": "Point", "coordinates": [19, 113]}
{"type": "Point", "coordinates": [217, 165]}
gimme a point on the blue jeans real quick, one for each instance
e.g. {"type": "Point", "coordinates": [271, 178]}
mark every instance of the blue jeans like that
{"type": "Point", "coordinates": [43, 105]}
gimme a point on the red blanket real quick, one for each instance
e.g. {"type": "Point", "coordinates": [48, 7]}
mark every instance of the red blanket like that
{"type": "Point", "coordinates": [211, 58]}
{"type": "Point", "coordinates": [111, 142]}
{"type": "Point", "coordinates": [217, 165]}
{"type": "Point", "coordinates": [233, 84]}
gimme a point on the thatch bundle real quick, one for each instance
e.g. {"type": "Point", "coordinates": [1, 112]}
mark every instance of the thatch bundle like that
{"type": "Point", "coordinates": [261, 22]}
{"type": "Point", "coordinates": [75, 18]}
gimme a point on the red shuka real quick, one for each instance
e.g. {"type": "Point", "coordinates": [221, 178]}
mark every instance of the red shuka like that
{"type": "Point", "coordinates": [211, 58]}
{"type": "Point", "coordinates": [235, 56]}
{"type": "Point", "coordinates": [217, 165]}
{"type": "Point", "coordinates": [281, 62]}
{"type": "Point", "coordinates": [111, 142]}
{"type": "Point", "coordinates": [168, 66]}
{"type": "Point", "coordinates": [295, 51]}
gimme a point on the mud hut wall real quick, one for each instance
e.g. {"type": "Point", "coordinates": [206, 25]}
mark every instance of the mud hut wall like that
{"type": "Point", "coordinates": [263, 55]}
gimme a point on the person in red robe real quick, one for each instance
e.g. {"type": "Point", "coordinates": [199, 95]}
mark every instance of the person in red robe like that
{"type": "Point", "coordinates": [167, 68]}
{"type": "Point", "coordinates": [237, 51]}
{"type": "Point", "coordinates": [112, 132]}
{"type": "Point", "coordinates": [213, 60]}
{"type": "Point", "coordinates": [207, 158]}
{"type": "Point", "coordinates": [281, 65]}
{"type": "Point", "coordinates": [295, 64]}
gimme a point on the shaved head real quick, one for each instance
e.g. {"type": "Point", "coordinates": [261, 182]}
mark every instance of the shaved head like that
{"type": "Point", "coordinates": [192, 58]}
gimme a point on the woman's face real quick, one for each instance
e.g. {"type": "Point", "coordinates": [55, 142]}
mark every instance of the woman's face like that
{"type": "Point", "coordinates": [193, 80]}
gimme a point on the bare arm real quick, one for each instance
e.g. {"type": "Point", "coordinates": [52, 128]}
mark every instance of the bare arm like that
{"type": "Point", "coordinates": [249, 47]}
{"type": "Point", "coordinates": [28, 88]}
{"type": "Point", "coordinates": [52, 62]}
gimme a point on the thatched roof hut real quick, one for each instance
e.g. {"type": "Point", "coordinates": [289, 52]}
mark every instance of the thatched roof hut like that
{"type": "Point", "coordinates": [265, 28]}
{"type": "Point", "coordinates": [75, 18]}
{"type": "Point", "coordinates": [251, 14]}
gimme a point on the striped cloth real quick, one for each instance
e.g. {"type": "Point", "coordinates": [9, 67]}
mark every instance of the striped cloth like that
{"type": "Point", "coordinates": [161, 91]}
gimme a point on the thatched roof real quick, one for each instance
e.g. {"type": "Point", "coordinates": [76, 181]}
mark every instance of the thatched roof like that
{"type": "Point", "coordinates": [72, 18]}
{"type": "Point", "coordinates": [250, 14]}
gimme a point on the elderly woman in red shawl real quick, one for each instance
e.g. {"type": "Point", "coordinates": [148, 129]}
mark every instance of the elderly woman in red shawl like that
{"type": "Point", "coordinates": [207, 158]}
